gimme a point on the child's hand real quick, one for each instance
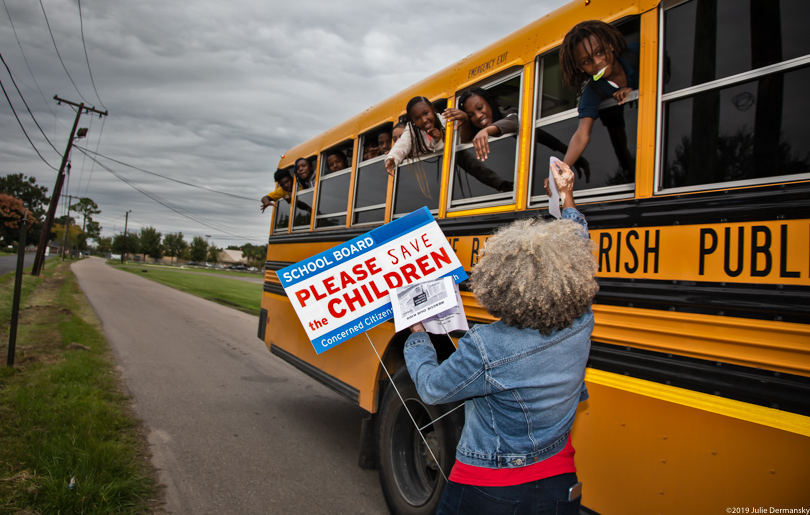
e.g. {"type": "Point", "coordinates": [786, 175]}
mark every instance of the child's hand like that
{"type": "Point", "coordinates": [621, 95]}
{"type": "Point", "coordinates": [481, 144]}
{"type": "Point", "coordinates": [455, 115]}
{"type": "Point", "coordinates": [266, 202]}
{"type": "Point", "coordinates": [436, 134]}
{"type": "Point", "coordinates": [390, 167]}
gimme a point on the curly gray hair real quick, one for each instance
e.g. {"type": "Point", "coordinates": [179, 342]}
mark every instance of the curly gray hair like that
{"type": "Point", "coordinates": [537, 274]}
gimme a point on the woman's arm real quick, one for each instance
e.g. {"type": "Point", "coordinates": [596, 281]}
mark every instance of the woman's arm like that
{"type": "Point", "coordinates": [579, 141]}
{"type": "Point", "coordinates": [464, 127]}
{"type": "Point", "coordinates": [459, 377]}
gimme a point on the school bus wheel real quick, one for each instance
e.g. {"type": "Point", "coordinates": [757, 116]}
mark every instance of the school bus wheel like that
{"type": "Point", "coordinates": [412, 481]}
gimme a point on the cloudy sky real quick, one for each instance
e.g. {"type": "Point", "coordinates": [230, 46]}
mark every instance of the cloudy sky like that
{"type": "Point", "coordinates": [212, 93]}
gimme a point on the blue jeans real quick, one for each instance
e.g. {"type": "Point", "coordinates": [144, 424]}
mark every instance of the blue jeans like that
{"type": "Point", "coordinates": [544, 497]}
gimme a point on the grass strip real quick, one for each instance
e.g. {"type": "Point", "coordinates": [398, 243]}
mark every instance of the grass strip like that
{"type": "Point", "coordinates": [242, 295]}
{"type": "Point", "coordinates": [63, 418]}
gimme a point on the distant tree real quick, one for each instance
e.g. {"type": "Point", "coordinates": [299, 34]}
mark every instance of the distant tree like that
{"type": "Point", "coordinates": [93, 230]}
{"type": "Point", "coordinates": [198, 249]}
{"type": "Point", "coordinates": [12, 211]}
{"type": "Point", "coordinates": [132, 245]}
{"type": "Point", "coordinates": [213, 254]}
{"type": "Point", "coordinates": [87, 208]}
{"type": "Point", "coordinates": [174, 244]}
{"type": "Point", "coordinates": [150, 243]}
{"type": "Point", "coordinates": [104, 245]}
{"type": "Point", "coordinates": [73, 239]}
{"type": "Point", "coordinates": [232, 247]}
{"type": "Point", "coordinates": [34, 198]}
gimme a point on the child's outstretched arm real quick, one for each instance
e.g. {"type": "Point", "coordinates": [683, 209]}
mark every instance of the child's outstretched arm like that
{"type": "Point", "coordinates": [400, 150]}
{"type": "Point", "coordinates": [579, 141]}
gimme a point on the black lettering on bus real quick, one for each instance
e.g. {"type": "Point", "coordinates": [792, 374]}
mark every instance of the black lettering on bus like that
{"type": "Point", "coordinates": [764, 249]}
{"type": "Point", "coordinates": [453, 242]}
{"type": "Point", "coordinates": [604, 250]}
{"type": "Point", "coordinates": [783, 254]}
{"type": "Point", "coordinates": [740, 252]}
{"type": "Point", "coordinates": [651, 250]}
{"type": "Point", "coordinates": [704, 250]}
{"type": "Point", "coordinates": [618, 250]}
{"type": "Point", "coordinates": [474, 255]}
{"type": "Point", "coordinates": [632, 269]}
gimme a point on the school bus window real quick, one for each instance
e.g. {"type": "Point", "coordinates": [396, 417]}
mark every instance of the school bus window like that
{"type": "Point", "coordinates": [372, 179]}
{"type": "Point", "coordinates": [489, 111]}
{"type": "Point", "coordinates": [334, 186]}
{"type": "Point", "coordinates": [750, 127]}
{"type": "Point", "coordinates": [606, 168]}
{"type": "Point", "coordinates": [706, 41]}
{"type": "Point", "coordinates": [305, 177]}
{"type": "Point", "coordinates": [281, 216]}
{"type": "Point", "coordinates": [417, 181]}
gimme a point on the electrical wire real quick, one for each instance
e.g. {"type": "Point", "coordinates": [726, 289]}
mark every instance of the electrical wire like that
{"type": "Point", "coordinates": [168, 178]}
{"type": "Point", "coordinates": [26, 105]}
{"type": "Point", "coordinates": [23, 128]}
{"type": "Point", "coordinates": [47, 103]}
{"type": "Point", "coordinates": [165, 203]}
{"type": "Point", "coordinates": [81, 27]}
{"type": "Point", "coordinates": [57, 52]}
{"type": "Point", "coordinates": [93, 166]}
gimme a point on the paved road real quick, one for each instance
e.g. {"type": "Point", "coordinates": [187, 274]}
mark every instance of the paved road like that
{"type": "Point", "coordinates": [232, 428]}
{"type": "Point", "coordinates": [9, 263]}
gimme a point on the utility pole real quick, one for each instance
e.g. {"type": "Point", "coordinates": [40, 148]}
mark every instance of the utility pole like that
{"type": "Point", "coordinates": [124, 253]}
{"type": "Point", "coordinates": [67, 224]}
{"type": "Point", "coordinates": [57, 189]}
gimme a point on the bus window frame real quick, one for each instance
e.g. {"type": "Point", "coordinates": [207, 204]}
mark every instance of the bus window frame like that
{"type": "Point", "coordinates": [360, 163]}
{"type": "Point", "coordinates": [324, 176]}
{"type": "Point", "coordinates": [717, 84]}
{"type": "Point", "coordinates": [408, 162]}
{"type": "Point", "coordinates": [506, 198]}
{"type": "Point", "coordinates": [606, 193]}
{"type": "Point", "coordinates": [281, 202]}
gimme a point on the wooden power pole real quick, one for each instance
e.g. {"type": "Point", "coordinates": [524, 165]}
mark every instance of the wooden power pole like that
{"type": "Point", "coordinates": [57, 189]}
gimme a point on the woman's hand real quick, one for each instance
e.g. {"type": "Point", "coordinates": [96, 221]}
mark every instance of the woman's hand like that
{"type": "Point", "coordinates": [621, 95]}
{"type": "Point", "coordinates": [455, 115]}
{"type": "Point", "coordinates": [481, 144]}
{"type": "Point", "coordinates": [390, 167]}
{"type": "Point", "coordinates": [564, 179]}
{"type": "Point", "coordinates": [417, 328]}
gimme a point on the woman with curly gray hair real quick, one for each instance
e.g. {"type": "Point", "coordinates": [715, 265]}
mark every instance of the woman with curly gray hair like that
{"type": "Point", "coordinates": [521, 377]}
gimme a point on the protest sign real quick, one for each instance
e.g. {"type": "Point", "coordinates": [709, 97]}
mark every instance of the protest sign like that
{"type": "Point", "coordinates": [343, 291]}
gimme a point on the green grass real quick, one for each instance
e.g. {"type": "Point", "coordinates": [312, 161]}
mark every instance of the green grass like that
{"type": "Point", "coordinates": [241, 295]}
{"type": "Point", "coordinates": [62, 414]}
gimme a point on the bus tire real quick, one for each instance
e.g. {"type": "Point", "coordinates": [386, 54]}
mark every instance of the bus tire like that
{"type": "Point", "coordinates": [411, 481]}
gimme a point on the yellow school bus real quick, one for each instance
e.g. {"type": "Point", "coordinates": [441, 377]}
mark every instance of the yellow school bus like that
{"type": "Point", "coordinates": [697, 193]}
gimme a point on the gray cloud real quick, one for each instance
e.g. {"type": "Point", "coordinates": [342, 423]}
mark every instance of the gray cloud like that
{"type": "Point", "coordinates": [213, 93]}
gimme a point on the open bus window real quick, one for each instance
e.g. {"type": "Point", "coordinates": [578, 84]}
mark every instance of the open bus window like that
{"type": "Point", "coordinates": [304, 196]}
{"type": "Point", "coordinates": [281, 216]}
{"type": "Point", "coordinates": [418, 180]}
{"type": "Point", "coordinates": [607, 167]}
{"type": "Point", "coordinates": [371, 183]}
{"type": "Point", "coordinates": [333, 191]}
{"type": "Point", "coordinates": [734, 97]}
{"type": "Point", "coordinates": [490, 180]}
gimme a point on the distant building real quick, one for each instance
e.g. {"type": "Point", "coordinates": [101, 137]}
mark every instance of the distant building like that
{"type": "Point", "coordinates": [232, 257]}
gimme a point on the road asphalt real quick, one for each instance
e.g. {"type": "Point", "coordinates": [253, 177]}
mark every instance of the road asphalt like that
{"type": "Point", "coordinates": [232, 428]}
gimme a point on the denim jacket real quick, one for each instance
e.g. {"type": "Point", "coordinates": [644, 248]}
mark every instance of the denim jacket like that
{"type": "Point", "coordinates": [521, 388]}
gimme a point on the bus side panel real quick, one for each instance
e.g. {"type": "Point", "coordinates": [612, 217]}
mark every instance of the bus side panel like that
{"type": "Point", "coordinates": [640, 454]}
{"type": "Point", "coordinates": [352, 362]}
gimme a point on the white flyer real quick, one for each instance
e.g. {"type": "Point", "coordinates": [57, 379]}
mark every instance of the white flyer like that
{"type": "Point", "coordinates": [554, 200]}
{"type": "Point", "coordinates": [435, 303]}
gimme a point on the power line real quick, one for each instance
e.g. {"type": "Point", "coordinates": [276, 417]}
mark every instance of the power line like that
{"type": "Point", "coordinates": [26, 105]}
{"type": "Point", "coordinates": [165, 203]}
{"type": "Point", "coordinates": [57, 52]}
{"type": "Point", "coordinates": [26, 60]}
{"type": "Point", "coordinates": [81, 26]}
{"type": "Point", "coordinates": [23, 128]}
{"type": "Point", "coordinates": [167, 178]}
{"type": "Point", "coordinates": [93, 166]}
